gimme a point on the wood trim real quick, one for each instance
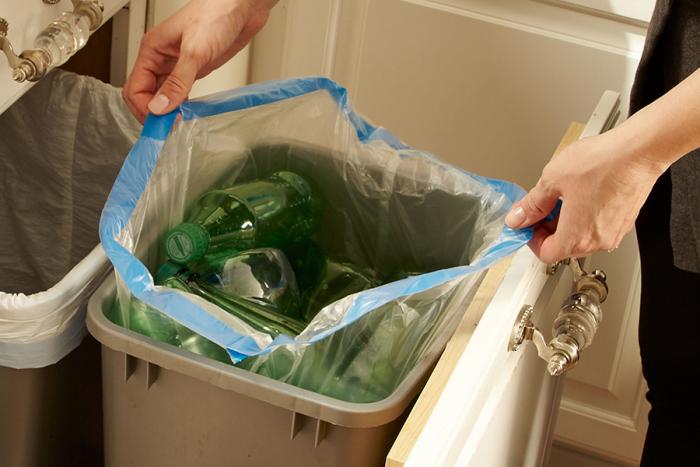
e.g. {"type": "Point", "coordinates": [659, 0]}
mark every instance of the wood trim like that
{"type": "Point", "coordinates": [612, 418]}
{"type": "Point", "coordinates": [589, 10]}
{"type": "Point", "coordinates": [438, 379]}
{"type": "Point", "coordinates": [128, 28]}
{"type": "Point", "coordinates": [354, 85]}
{"type": "Point", "coordinates": [287, 44]}
{"type": "Point", "coordinates": [595, 453]}
{"type": "Point", "coordinates": [550, 20]}
{"type": "Point", "coordinates": [330, 44]}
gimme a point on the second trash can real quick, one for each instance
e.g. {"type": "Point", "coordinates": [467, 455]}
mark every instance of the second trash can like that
{"type": "Point", "coordinates": [61, 146]}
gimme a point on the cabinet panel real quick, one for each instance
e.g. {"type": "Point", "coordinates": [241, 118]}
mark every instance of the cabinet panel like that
{"type": "Point", "coordinates": [633, 9]}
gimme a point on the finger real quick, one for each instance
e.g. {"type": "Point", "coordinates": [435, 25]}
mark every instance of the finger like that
{"type": "Point", "coordinates": [565, 239]}
{"type": "Point", "coordinates": [534, 207]}
{"type": "Point", "coordinates": [552, 248]}
{"type": "Point", "coordinates": [549, 225]}
{"type": "Point", "coordinates": [140, 116]}
{"type": "Point", "coordinates": [176, 87]}
{"type": "Point", "coordinates": [139, 89]}
{"type": "Point", "coordinates": [539, 236]}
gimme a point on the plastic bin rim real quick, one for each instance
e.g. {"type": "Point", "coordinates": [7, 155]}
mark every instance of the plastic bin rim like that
{"type": "Point", "coordinates": [277, 393]}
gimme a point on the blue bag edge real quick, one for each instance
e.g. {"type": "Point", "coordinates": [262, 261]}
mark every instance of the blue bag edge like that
{"type": "Point", "coordinates": [132, 180]}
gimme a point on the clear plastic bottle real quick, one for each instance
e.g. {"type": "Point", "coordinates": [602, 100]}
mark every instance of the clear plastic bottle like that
{"type": "Point", "coordinates": [262, 274]}
{"type": "Point", "coordinates": [262, 317]}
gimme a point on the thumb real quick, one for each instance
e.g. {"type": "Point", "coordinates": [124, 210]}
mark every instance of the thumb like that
{"type": "Point", "coordinates": [175, 88]}
{"type": "Point", "coordinates": [534, 207]}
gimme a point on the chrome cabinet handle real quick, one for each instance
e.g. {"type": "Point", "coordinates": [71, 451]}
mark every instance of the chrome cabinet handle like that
{"type": "Point", "coordinates": [59, 41]}
{"type": "Point", "coordinates": [573, 328]}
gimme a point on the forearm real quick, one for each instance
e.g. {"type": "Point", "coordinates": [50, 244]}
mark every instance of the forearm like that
{"type": "Point", "coordinates": [666, 129]}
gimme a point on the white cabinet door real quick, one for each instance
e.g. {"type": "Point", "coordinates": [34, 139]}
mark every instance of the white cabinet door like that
{"type": "Point", "coordinates": [496, 406]}
{"type": "Point", "coordinates": [26, 19]}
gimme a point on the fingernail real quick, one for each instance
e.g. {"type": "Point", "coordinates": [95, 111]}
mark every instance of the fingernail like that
{"type": "Point", "coordinates": [515, 218]}
{"type": "Point", "coordinates": [158, 104]}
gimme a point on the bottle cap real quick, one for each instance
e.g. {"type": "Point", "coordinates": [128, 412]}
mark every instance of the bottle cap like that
{"type": "Point", "coordinates": [166, 270]}
{"type": "Point", "coordinates": [186, 242]}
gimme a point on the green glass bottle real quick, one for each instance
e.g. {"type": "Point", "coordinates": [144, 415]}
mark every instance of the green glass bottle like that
{"type": "Point", "coordinates": [261, 317]}
{"type": "Point", "coordinates": [276, 211]}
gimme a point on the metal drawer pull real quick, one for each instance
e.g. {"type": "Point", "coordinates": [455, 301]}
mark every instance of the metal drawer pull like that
{"type": "Point", "coordinates": [574, 327]}
{"type": "Point", "coordinates": [59, 41]}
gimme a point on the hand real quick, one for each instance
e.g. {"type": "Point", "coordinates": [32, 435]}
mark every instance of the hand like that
{"type": "Point", "coordinates": [603, 184]}
{"type": "Point", "coordinates": [189, 45]}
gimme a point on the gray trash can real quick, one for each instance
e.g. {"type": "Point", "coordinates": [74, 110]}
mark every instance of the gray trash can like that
{"type": "Point", "coordinates": [61, 147]}
{"type": "Point", "coordinates": [166, 407]}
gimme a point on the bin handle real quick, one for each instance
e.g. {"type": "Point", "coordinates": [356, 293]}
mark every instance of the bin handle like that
{"type": "Point", "coordinates": [33, 64]}
{"type": "Point", "coordinates": [573, 328]}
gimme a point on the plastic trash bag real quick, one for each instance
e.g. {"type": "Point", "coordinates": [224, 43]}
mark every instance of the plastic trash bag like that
{"type": "Point", "coordinates": [61, 147]}
{"type": "Point", "coordinates": [388, 207]}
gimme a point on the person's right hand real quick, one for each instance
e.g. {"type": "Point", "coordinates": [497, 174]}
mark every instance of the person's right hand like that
{"type": "Point", "coordinates": [603, 182]}
{"type": "Point", "coordinates": [189, 45]}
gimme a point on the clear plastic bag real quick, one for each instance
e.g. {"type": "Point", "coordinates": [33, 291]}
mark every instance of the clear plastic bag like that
{"type": "Point", "coordinates": [387, 207]}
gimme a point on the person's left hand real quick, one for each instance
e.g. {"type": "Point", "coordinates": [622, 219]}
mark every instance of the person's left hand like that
{"type": "Point", "coordinates": [603, 184]}
{"type": "Point", "coordinates": [189, 45]}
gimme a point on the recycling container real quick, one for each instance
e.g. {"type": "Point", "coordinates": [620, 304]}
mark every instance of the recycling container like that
{"type": "Point", "coordinates": [165, 406]}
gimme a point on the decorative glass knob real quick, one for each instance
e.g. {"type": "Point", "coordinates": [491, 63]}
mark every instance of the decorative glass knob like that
{"type": "Point", "coordinates": [56, 43]}
{"type": "Point", "coordinates": [63, 37]}
{"type": "Point", "coordinates": [574, 327]}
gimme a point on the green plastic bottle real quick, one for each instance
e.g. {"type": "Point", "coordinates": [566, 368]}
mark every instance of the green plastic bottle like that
{"type": "Point", "coordinates": [195, 343]}
{"type": "Point", "coordinates": [152, 323]}
{"type": "Point", "coordinates": [309, 263]}
{"type": "Point", "coordinates": [186, 338]}
{"type": "Point", "coordinates": [338, 280]}
{"type": "Point", "coordinates": [276, 211]}
{"type": "Point", "coordinates": [261, 317]}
